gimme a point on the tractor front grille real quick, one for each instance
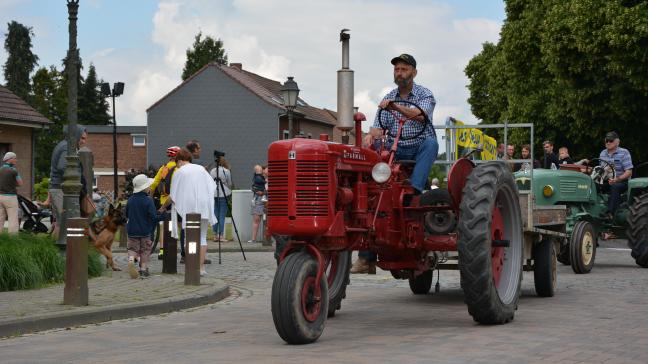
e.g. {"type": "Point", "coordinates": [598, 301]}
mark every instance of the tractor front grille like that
{"type": "Point", "coordinates": [311, 194]}
{"type": "Point", "coordinates": [278, 188]}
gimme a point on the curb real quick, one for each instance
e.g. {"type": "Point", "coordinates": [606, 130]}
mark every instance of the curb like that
{"type": "Point", "coordinates": [116, 312]}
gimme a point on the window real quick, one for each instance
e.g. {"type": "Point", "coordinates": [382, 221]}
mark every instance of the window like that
{"type": "Point", "coordinates": [139, 140]}
{"type": "Point", "coordinates": [286, 134]}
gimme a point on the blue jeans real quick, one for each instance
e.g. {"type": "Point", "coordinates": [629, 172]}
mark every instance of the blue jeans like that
{"type": "Point", "coordinates": [615, 195]}
{"type": "Point", "coordinates": [424, 154]}
{"type": "Point", "coordinates": [220, 209]}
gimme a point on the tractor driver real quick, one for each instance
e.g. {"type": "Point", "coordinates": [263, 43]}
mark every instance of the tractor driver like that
{"type": "Point", "coordinates": [423, 149]}
{"type": "Point", "coordinates": [622, 161]}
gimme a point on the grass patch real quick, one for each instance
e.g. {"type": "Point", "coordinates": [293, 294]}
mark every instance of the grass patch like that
{"type": "Point", "coordinates": [31, 261]}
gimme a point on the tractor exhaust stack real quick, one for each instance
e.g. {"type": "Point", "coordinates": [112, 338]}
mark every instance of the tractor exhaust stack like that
{"type": "Point", "coordinates": [345, 90]}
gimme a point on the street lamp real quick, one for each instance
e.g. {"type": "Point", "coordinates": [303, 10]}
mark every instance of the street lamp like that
{"type": "Point", "coordinates": [117, 90]}
{"type": "Point", "coordinates": [290, 93]}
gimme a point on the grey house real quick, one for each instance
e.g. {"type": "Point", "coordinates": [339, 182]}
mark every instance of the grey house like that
{"type": "Point", "coordinates": [231, 110]}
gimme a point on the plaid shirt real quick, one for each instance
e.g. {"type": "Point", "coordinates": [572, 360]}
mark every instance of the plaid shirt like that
{"type": "Point", "coordinates": [423, 98]}
{"type": "Point", "coordinates": [620, 158]}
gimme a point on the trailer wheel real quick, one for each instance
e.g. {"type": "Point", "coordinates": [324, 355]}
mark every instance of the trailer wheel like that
{"type": "Point", "coordinates": [582, 247]}
{"type": "Point", "coordinates": [438, 222]}
{"type": "Point", "coordinates": [298, 310]}
{"type": "Point", "coordinates": [422, 283]}
{"type": "Point", "coordinates": [638, 230]}
{"type": "Point", "coordinates": [544, 268]}
{"type": "Point", "coordinates": [490, 244]}
{"type": "Point", "coordinates": [337, 276]}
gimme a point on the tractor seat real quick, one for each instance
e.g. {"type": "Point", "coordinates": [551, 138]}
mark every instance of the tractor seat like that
{"type": "Point", "coordinates": [406, 162]}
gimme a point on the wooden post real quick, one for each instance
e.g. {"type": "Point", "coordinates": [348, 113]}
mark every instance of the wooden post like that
{"type": "Point", "coordinates": [192, 250]}
{"type": "Point", "coordinates": [170, 246]}
{"type": "Point", "coordinates": [76, 263]}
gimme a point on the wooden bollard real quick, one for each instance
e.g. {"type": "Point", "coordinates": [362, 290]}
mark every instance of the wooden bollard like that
{"type": "Point", "coordinates": [76, 263]}
{"type": "Point", "coordinates": [192, 250]}
{"type": "Point", "coordinates": [170, 246]}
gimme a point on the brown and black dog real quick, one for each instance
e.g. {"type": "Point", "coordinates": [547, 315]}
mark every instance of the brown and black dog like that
{"type": "Point", "coordinates": [102, 233]}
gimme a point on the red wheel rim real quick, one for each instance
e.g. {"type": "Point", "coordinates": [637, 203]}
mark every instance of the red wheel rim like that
{"type": "Point", "coordinates": [310, 299]}
{"type": "Point", "coordinates": [497, 253]}
{"type": "Point", "coordinates": [331, 267]}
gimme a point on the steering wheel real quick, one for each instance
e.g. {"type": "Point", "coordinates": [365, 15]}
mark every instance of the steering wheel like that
{"type": "Point", "coordinates": [423, 125]}
{"type": "Point", "coordinates": [601, 174]}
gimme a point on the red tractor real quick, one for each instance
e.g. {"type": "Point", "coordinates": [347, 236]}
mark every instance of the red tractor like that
{"type": "Point", "coordinates": [331, 198]}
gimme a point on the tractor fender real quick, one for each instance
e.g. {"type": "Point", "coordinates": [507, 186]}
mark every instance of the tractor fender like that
{"type": "Point", "coordinates": [457, 176]}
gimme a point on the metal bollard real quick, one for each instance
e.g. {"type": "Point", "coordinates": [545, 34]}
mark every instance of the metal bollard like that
{"type": "Point", "coordinates": [170, 246]}
{"type": "Point", "coordinates": [76, 263]}
{"type": "Point", "coordinates": [192, 250]}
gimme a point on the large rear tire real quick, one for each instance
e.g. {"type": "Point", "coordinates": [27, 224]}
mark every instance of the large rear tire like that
{"type": "Point", "coordinates": [422, 283]}
{"type": "Point", "coordinates": [582, 247]}
{"type": "Point", "coordinates": [337, 275]}
{"type": "Point", "coordinates": [298, 310]}
{"type": "Point", "coordinates": [491, 272]}
{"type": "Point", "coordinates": [638, 230]}
{"type": "Point", "coordinates": [544, 268]}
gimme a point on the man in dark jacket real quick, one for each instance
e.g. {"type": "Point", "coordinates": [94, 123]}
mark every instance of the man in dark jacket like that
{"type": "Point", "coordinates": [549, 157]}
{"type": "Point", "coordinates": [57, 168]}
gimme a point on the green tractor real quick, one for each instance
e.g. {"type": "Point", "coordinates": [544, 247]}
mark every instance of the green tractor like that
{"type": "Point", "coordinates": [579, 189]}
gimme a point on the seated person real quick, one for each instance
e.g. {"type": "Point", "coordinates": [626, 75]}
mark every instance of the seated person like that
{"type": "Point", "coordinates": [622, 161]}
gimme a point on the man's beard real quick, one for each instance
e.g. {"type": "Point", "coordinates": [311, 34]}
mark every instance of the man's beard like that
{"type": "Point", "coordinates": [402, 82]}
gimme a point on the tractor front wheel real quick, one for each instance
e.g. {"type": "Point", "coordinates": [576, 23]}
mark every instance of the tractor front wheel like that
{"type": "Point", "coordinates": [490, 244]}
{"type": "Point", "coordinates": [544, 268]}
{"type": "Point", "coordinates": [337, 275]}
{"type": "Point", "coordinates": [638, 230]}
{"type": "Point", "coordinates": [299, 308]}
{"type": "Point", "coordinates": [582, 247]}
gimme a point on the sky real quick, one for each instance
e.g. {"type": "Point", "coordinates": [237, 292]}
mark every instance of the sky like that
{"type": "Point", "coordinates": [143, 43]}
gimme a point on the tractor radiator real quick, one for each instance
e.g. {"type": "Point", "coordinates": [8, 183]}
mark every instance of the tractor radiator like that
{"type": "Point", "coordinates": [311, 188]}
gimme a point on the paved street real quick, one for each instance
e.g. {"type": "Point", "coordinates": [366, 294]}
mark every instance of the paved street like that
{"type": "Point", "coordinates": [594, 318]}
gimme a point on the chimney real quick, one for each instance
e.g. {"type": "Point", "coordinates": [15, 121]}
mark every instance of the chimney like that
{"type": "Point", "coordinates": [238, 66]}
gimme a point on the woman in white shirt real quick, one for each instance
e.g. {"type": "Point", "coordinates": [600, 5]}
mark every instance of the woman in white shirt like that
{"type": "Point", "coordinates": [192, 191]}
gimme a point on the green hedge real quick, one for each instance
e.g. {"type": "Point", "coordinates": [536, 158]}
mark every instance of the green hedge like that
{"type": "Point", "coordinates": [32, 261]}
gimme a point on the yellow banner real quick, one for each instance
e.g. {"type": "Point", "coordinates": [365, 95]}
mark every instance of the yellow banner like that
{"type": "Point", "coordinates": [473, 138]}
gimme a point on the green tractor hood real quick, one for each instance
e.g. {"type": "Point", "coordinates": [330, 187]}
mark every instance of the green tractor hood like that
{"type": "Point", "coordinates": [553, 187]}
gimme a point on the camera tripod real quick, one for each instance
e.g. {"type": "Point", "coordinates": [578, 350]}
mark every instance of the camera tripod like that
{"type": "Point", "coordinates": [219, 183]}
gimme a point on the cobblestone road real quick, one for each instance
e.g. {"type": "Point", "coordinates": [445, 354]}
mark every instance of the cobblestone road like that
{"type": "Point", "coordinates": [596, 318]}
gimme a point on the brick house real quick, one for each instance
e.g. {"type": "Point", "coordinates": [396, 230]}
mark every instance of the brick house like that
{"type": "Point", "coordinates": [131, 152]}
{"type": "Point", "coordinates": [232, 110]}
{"type": "Point", "coordinates": [19, 123]}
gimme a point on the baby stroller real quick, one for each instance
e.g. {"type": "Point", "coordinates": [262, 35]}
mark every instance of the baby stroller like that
{"type": "Point", "coordinates": [32, 215]}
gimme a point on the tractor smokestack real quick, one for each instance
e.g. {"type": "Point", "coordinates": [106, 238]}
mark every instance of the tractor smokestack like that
{"type": "Point", "coordinates": [345, 89]}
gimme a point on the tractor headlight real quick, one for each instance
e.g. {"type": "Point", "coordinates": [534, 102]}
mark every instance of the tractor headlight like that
{"type": "Point", "coordinates": [381, 172]}
{"type": "Point", "coordinates": [548, 191]}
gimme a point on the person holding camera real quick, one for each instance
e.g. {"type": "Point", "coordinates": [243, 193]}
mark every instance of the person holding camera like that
{"type": "Point", "coordinates": [223, 178]}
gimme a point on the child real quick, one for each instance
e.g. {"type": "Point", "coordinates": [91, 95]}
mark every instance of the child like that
{"type": "Point", "coordinates": [142, 218]}
{"type": "Point", "coordinates": [258, 206]}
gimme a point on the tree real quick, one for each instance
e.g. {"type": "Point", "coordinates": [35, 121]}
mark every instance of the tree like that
{"type": "Point", "coordinates": [50, 99]}
{"type": "Point", "coordinates": [20, 61]}
{"type": "Point", "coordinates": [93, 107]}
{"type": "Point", "coordinates": [204, 51]}
{"type": "Point", "coordinates": [575, 69]}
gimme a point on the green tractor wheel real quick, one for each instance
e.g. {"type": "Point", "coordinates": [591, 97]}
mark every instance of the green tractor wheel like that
{"type": "Point", "coordinates": [638, 230]}
{"type": "Point", "coordinates": [582, 247]}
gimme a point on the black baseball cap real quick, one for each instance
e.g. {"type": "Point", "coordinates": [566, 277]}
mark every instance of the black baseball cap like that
{"type": "Point", "coordinates": [404, 58]}
{"type": "Point", "coordinates": [611, 135]}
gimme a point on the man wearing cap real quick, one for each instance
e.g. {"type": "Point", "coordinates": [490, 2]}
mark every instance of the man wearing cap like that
{"type": "Point", "coordinates": [423, 148]}
{"type": "Point", "coordinates": [622, 161]}
{"type": "Point", "coordinates": [9, 180]}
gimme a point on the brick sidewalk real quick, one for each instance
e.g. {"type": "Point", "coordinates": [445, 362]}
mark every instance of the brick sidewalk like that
{"type": "Point", "coordinates": [112, 296]}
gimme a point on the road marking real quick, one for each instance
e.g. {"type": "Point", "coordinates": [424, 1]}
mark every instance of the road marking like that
{"type": "Point", "coordinates": [619, 249]}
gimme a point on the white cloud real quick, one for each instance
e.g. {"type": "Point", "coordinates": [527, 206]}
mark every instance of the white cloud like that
{"type": "Point", "coordinates": [102, 53]}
